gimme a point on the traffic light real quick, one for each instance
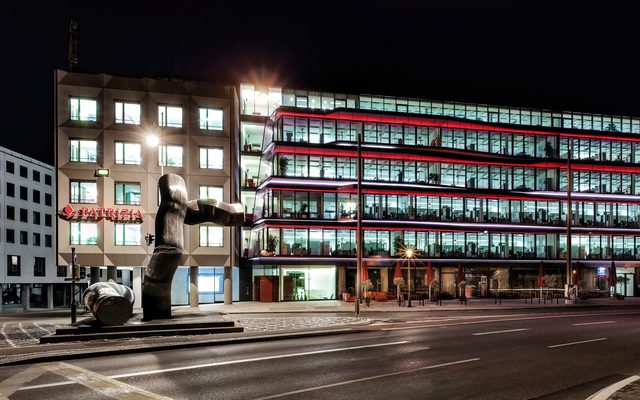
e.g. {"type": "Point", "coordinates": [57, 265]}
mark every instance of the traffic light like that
{"type": "Point", "coordinates": [75, 271]}
{"type": "Point", "coordinates": [149, 238]}
{"type": "Point", "coordinates": [83, 272]}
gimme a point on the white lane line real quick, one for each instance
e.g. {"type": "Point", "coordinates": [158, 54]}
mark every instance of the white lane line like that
{"type": "Point", "coordinates": [100, 384]}
{"type": "Point", "coordinates": [231, 362]}
{"type": "Point", "coordinates": [594, 323]}
{"type": "Point", "coordinates": [6, 338]}
{"type": "Point", "coordinates": [605, 393]}
{"type": "Point", "coordinates": [580, 342]}
{"type": "Point", "coordinates": [42, 328]}
{"type": "Point", "coordinates": [25, 332]}
{"type": "Point", "coordinates": [368, 378]}
{"type": "Point", "coordinates": [505, 331]}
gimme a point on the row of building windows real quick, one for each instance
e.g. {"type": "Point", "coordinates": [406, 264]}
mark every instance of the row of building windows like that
{"type": "Point", "coordinates": [472, 176]}
{"type": "Point", "coordinates": [130, 153]}
{"type": "Point", "coordinates": [333, 206]}
{"type": "Point", "coordinates": [24, 194]}
{"type": "Point", "coordinates": [24, 173]}
{"type": "Point", "coordinates": [24, 216]}
{"type": "Point", "coordinates": [24, 238]}
{"type": "Point", "coordinates": [310, 130]}
{"type": "Point", "coordinates": [14, 266]}
{"type": "Point", "coordinates": [342, 242]}
{"type": "Point", "coordinates": [126, 193]}
{"type": "Point", "coordinates": [128, 112]}
{"type": "Point", "coordinates": [85, 233]}
{"type": "Point", "coordinates": [469, 111]}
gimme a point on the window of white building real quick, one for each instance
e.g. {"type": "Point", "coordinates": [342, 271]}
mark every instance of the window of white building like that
{"type": "Point", "coordinates": [128, 193]}
{"type": "Point", "coordinates": [210, 119]}
{"type": "Point", "coordinates": [127, 113]}
{"type": "Point", "coordinates": [211, 236]}
{"type": "Point", "coordinates": [170, 116]}
{"type": "Point", "coordinates": [83, 109]}
{"type": "Point", "coordinates": [84, 233]}
{"type": "Point", "coordinates": [211, 192]}
{"type": "Point", "coordinates": [84, 192]}
{"type": "Point", "coordinates": [170, 156]}
{"type": "Point", "coordinates": [127, 234]}
{"type": "Point", "coordinates": [211, 157]}
{"type": "Point", "coordinates": [128, 153]}
{"type": "Point", "coordinates": [83, 150]}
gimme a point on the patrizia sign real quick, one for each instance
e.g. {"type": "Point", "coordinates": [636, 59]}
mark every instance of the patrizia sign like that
{"type": "Point", "coordinates": [94, 214]}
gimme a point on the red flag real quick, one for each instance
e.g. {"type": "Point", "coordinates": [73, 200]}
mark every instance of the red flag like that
{"type": "Point", "coordinates": [429, 273]}
{"type": "Point", "coordinates": [541, 275]}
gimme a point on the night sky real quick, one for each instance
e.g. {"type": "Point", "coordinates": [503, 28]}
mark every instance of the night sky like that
{"type": "Point", "coordinates": [579, 57]}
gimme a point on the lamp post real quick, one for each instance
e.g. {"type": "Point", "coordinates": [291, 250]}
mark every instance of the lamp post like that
{"type": "Point", "coordinates": [569, 216]}
{"type": "Point", "coordinates": [408, 253]}
{"type": "Point", "coordinates": [359, 243]}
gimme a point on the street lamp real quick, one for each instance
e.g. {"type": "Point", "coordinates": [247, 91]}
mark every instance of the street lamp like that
{"type": "Point", "coordinates": [409, 253]}
{"type": "Point", "coordinates": [154, 141]}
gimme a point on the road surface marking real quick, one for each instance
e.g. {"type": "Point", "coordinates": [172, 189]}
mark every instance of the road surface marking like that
{"type": "Point", "coordinates": [12, 384]}
{"type": "Point", "coordinates": [222, 363]}
{"type": "Point", "coordinates": [25, 332]}
{"type": "Point", "coordinates": [505, 331]}
{"type": "Point", "coordinates": [368, 378]}
{"type": "Point", "coordinates": [100, 384]}
{"type": "Point", "coordinates": [594, 323]}
{"type": "Point", "coordinates": [580, 342]}
{"type": "Point", "coordinates": [41, 328]}
{"type": "Point", "coordinates": [605, 393]}
{"type": "Point", "coordinates": [6, 338]}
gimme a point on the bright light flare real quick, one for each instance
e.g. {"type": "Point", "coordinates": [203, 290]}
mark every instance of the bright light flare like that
{"type": "Point", "coordinates": [408, 252]}
{"type": "Point", "coordinates": [153, 140]}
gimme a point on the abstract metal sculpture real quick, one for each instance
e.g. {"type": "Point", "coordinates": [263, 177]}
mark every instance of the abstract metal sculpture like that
{"type": "Point", "coordinates": [174, 211]}
{"type": "Point", "coordinates": [110, 302]}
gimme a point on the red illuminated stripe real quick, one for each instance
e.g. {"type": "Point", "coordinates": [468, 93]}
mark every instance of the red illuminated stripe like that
{"type": "Point", "coordinates": [299, 150]}
{"type": "Point", "coordinates": [433, 121]}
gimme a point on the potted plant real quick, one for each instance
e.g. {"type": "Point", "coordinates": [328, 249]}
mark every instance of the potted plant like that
{"type": "Point", "coordinates": [272, 243]}
{"type": "Point", "coordinates": [296, 248]}
{"type": "Point", "coordinates": [284, 165]}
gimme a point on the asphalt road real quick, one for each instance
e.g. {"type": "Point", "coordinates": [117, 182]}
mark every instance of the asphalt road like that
{"type": "Point", "coordinates": [510, 355]}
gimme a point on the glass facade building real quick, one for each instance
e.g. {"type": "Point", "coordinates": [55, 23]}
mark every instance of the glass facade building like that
{"type": "Point", "coordinates": [481, 185]}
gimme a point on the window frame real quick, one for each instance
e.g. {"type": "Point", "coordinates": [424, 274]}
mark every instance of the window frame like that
{"type": "Point", "coordinates": [208, 157]}
{"type": "Point", "coordinates": [163, 120]}
{"type": "Point", "coordinates": [13, 269]}
{"type": "Point", "coordinates": [123, 160]}
{"type": "Point", "coordinates": [78, 227]}
{"type": "Point", "coordinates": [124, 241]}
{"type": "Point", "coordinates": [77, 117]}
{"type": "Point", "coordinates": [123, 108]}
{"type": "Point", "coordinates": [124, 185]}
{"type": "Point", "coordinates": [203, 123]}
{"type": "Point", "coordinates": [80, 200]}
{"type": "Point", "coordinates": [209, 229]}
{"type": "Point", "coordinates": [78, 153]}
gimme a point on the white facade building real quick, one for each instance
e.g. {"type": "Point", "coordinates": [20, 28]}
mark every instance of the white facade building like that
{"type": "Point", "coordinates": [28, 271]}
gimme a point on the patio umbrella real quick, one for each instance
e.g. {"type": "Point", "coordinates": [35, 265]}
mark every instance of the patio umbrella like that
{"type": "Point", "coordinates": [364, 272]}
{"type": "Point", "coordinates": [612, 275]}
{"type": "Point", "coordinates": [541, 275]}
{"type": "Point", "coordinates": [578, 273]}
{"type": "Point", "coordinates": [429, 273]}
{"type": "Point", "coordinates": [398, 272]}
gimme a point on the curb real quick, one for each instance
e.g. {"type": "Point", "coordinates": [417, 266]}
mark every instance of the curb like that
{"type": "Point", "coordinates": [610, 390]}
{"type": "Point", "coordinates": [91, 353]}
